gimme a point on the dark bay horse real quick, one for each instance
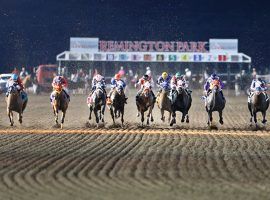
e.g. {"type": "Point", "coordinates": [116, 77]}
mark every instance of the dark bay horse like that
{"type": "Point", "coordinates": [181, 101]}
{"type": "Point", "coordinates": [98, 103]}
{"type": "Point", "coordinates": [146, 101]}
{"type": "Point", "coordinates": [15, 102]}
{"type": "Point", "coordinates": [164, 103]}
{"type": "Point", "coordinates": [59, 101]}
{"type": "Point", "coordinates": [258, 103]}
{"type": "Point", "coordinates": [215, 102]}
{"type": "Point", "coordinates": [118, 104]}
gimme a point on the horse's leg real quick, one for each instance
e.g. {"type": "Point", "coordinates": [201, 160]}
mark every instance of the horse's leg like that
{"type": "Point", "coordinates": [90, 115]}
{"type": "Point", "coordinates": [122, 117]}
{"type": "Point", "coordinates": [187, 118]}
{"type": "Point", "coordinates": [183, 116]}
{"type": "Point", "coordinates": [138, 113]}
{"type": "Point", "coordinates": [162, 115]}
{"type": "Point", "coordinates": [209, 122]}
{"type": "Point", "coordinates": [220, 117]}
{"type": "Point", "coordinates": [173, 121]}
{"type": "Point", "coordinates": [103, 110]}
{"type": "Point", "coordinates": [169, 118]}
{"type": "Point", "coordinates": [151, 113]}
{"type": "Point", "coordinates": [20, 117]}
{"type": "Point", "coordinates": [112, 114]}
{"type": "Point", "coordinates": [96, 115]}
{"type": "Point", "coordinates": [63, 118]}
{"type": "Point", "coordinates": [255, 118]}
{"type": "Point", "coordinates": [263, 115]}
{"type": "Point", "coordinates": [142, 117]}
{"type": "Point", "coordinates": [56, 115]}
{"type": "Point", "coordinates": [9, 113]}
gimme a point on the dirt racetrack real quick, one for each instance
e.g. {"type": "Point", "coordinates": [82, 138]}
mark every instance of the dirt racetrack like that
{"type": "Point", "coordinates": [38, 161]}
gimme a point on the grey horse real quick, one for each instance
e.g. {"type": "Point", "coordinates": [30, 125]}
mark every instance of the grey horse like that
{"type": "Point", "coordinates": [258, 103]}
{"type": "Point", "coordinates": [215, 102]}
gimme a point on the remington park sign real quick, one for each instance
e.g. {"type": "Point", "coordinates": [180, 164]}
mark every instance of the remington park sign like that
{"type": "Point", "coordinates": [152, 46]}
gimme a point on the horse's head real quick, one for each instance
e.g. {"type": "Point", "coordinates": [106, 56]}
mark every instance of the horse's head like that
{"type": "Point", "coordinates": [179, 86]}
{"type": "Point", "coordinates": [258, 90]}
{"type": "Point", "coordinates": [215, 84]}
{"type": "Point", "coordinates": [120, 89]}
{"type": "Point", "coordinates": [13, 90]}
{"type": "Point", "coordinates": [147, 89]}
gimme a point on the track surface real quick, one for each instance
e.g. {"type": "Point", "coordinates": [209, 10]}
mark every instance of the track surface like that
{"type": "Point", "coordinates": [38, 161]}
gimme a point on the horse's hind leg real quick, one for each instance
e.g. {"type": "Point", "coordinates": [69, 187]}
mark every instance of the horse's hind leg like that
{"type": "Point", "coordinates": [220, 117]}
{"type": "Point", "coordinates": [151, 114]}
{"type": "Point", "coordinates": [210, 118]}
{"type": "Point", "coordinates": [103, 110]}
{"type": "Point", "coordinates": [183, 117]}
{"type": "Point", "coordinates": [20, 118]}
{"type": "Point", "coordinates": [142, 117]}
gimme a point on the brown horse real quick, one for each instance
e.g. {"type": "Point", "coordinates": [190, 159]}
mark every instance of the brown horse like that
{"type": "Point", "coordinates": [59, 101]}
{"type": "Point", "coordinates": [118, 104]}
{"type": "Point", "coordinates": [15, 102]}
{"type": "Point", "coordinates": [146, 101]}
{"type": "Point", "coordinates": [164, 104]}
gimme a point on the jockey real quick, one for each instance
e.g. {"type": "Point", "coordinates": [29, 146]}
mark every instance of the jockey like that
{"type": "Point", "coordinates": [208, 84]}
{"type": "Point", "coordinates": [163, 81]}
{"type": "Point", "coordinates": [179, 79]}
{"type": "Point", "coordinates": [114, 83]}
{"type": "Point", "coordinates": [16, 81]}
{"type": "Point", "coordinates": [98, 79]}
{"type": "Point", "coordinates": [62, 82]}
{"type": "Point", "coordinates": [257, 83]}
{"type": "Point", "coordinates": [141, 82]}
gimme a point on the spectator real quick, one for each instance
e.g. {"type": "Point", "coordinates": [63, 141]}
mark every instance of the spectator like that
{"type": "Point", "coordinates": [254, 73]}
{"type": "Point", "coordinates": [122, 71]}
{"type": "Point", "coordinates": [23, 73]}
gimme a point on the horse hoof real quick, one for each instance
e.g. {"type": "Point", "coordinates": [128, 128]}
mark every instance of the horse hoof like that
{"type": "Point", "coordinates": [182, 120]}
{"type": "Point", "coordinates": [171, 124]}
{"type": "Point", "coordinates": [138, 115]}
{"type": "Point", "coordinates": [221, 122]}
{"type": "Point", "coordinates": [187, 121]}
{"type": "Point", "coordinates": [264, 121]}
{"type": "Point", "coordinates": [11, 124]}
{"type": "Point", "coordinates": [62, 126]}
{"type": "Point", "coordinates": [152, 119]}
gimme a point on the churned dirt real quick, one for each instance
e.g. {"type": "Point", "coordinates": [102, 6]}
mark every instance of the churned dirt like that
{"type": "Point", "coordinates": [187, 161]}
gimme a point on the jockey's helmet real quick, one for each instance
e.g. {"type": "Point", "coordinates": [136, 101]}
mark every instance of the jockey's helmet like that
{"type": "Point", "coordinates": [214, 75]}
{"type": "Point", "coordinates": [178, 75]}
{"type": "Point", "coordinates": [117, 76]}
{"type": "Point", "coordinates": [145, 77]}
{"type": "Point", "coordinates": [164, 75]}
{"type": "Point", "coordinates": [14, 77]}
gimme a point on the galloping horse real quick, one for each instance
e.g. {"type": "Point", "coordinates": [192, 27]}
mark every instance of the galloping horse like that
{"type": "Point", "coordinates": [146, 101]}
{"type": "Point", "coordinates": [258, 103]}
{"type": "Point", "coordinates": [59, 101]}
{"type": "Point", "coordinates": [97, 103]}
{"type": "Point", "coordinates": [15, 102]}
{"type": "Point", "coordinates": [118, 103]}
{"type": "Point", "coordinates": [181, 101]}
{"type": "Point", "coordinates": [164, 103]}
{"type": "Point", "coordinates": [215, 102]}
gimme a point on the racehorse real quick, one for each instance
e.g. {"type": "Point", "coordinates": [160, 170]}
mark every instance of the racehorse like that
{"type": "Point", "coordinates": [118, 103]}
{"type": "Point", "coordinates": [258, 103]}
{"type": "Point", "coordinates": [181, 101]}
{"type": "Point", "coordinates": [215, 102]}
{"type": "Point", "coordinates": [97, 103]}
{"type": "Point", "coordinates": [146, 101]}
{"type": "Point", "coordinates": [59, 101]}
{"type": "Point", "coordinates": [16, 101]}
{"type": "Point", "coordinates": [164, 103]}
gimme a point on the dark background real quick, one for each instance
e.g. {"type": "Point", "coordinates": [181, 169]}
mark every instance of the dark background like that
{"type": "Point", "coordinates": [33, 32]}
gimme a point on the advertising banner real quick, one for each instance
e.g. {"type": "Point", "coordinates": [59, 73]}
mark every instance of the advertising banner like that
{"type": "Point", "coordinates": [223, 45]}
{"type": "Point", "coordinates": [123, 57]}
{"type": "Point", "coordinates": [110, 57]}
{"type": "Point", "coordinates": [172, 58]}
{"type": "Point", "coordinates": [160, 57]}
{"type": "Point", "coordinates": [84, 44]}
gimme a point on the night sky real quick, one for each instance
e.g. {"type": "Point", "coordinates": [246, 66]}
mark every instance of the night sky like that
{"type": "Point", "coordinates": [33, 32]}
